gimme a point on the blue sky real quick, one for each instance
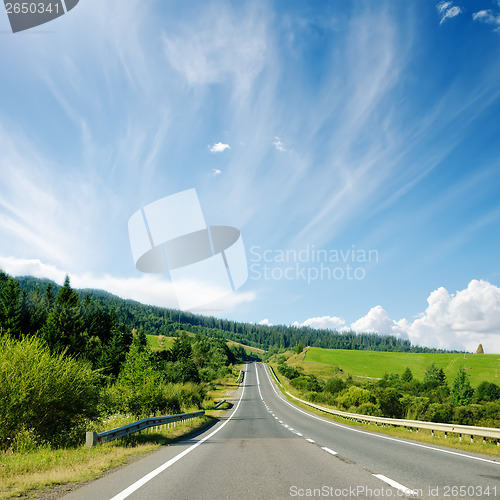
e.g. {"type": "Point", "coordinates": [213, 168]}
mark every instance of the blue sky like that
{"type": "Point", "coordinates": [350, 126]}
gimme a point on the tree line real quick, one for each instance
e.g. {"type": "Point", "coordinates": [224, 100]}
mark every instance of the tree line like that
{"type": "Point", "coordinates": [33, 293]}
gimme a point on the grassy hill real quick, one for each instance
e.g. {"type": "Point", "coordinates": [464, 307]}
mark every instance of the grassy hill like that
{"type": "Point", "coordinates": [158, 343]}
{"type": "Point", "coordinates": [375, 364]}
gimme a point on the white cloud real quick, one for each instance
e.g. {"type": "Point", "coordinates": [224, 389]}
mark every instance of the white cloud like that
{"type": "Point", "coordinates": [219, 45]}
{"type": "Point", "coordinates": [488, 17]}
{"type": "Point", "coordinates": [216, 172]}
{"type": "Point", "coordinates": [279, 145]}
{"type": "Point", "coordinates": [451, 321]}
{"type": "Point", "coordinates": [461, 320]}
{"type": "Point", "coordinates": [147, 288]}
{"type": "Point", "coordinates": [265, 322]}
{"type": "Point", "coordinates": [377, 320]}
{"type": "Point", "coordinates": [219, 147]}
{"type": "Point", "coordinates": [447, 11]}
{"type": "Point", "coordinates": [323, 322]}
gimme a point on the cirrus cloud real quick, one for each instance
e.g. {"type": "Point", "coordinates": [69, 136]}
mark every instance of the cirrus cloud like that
{"type": "Point", "coordinates": [488, 17]}
{"type": "Point", "coordinates": [447, 10]}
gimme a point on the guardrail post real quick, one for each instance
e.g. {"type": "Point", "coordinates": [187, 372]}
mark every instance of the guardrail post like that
{"type": "Point", "coordinates": [91, 439]}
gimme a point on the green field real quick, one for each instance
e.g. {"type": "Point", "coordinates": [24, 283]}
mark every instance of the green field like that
{"type": "Point", "coordinates": [375, 364]}
{"type": "Point", "coordinates": [156, 345]}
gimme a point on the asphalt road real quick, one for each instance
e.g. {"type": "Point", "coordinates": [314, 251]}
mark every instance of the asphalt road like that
{"type": "Point", "coordinates": [267, 448]}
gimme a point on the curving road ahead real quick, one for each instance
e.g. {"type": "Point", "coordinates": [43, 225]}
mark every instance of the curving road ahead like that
{"type": "Point", "coordinates": [267, 448]}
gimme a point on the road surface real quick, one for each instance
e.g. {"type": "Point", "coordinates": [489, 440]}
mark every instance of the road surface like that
{"type": "Point", "coordinates": [266, 448]}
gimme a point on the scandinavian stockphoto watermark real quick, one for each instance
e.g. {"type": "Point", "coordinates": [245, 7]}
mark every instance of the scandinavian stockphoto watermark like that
{"type": "Point", "coordinates": [310, 263]}
{"type": "Point", "coordinates": [25, 15]}
{"type": "Point", "coordinates": [205, 263]}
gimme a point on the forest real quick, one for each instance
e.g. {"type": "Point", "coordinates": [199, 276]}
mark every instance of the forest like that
{"type": "Point", "coordinates": [35, 297]}
{"type": "Point", "coordinates": [68, 359]}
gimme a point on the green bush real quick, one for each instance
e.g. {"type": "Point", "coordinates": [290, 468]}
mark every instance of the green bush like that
{"type": "Point", "coordinates": [43, 394]}
{"type": "Point", "coordinates": [288, 371]}
{"type": "Point", "coordinates": [306, 383]}
{"type": "Point", "coordinates": [369, 409]}
{"type": "Point", "coordinates": [487, 391]}
{"type": "Point", "coordinates": [334, 385]}
{"type": "Point", "coordinates": [355, 396]}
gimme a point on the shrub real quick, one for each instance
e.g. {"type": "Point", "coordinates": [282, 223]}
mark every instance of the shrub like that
{"type": "Point", "coordinates": [437, 412]}
{"type": "Point", "coordinates": [288, 371]}
{"type": "Point", "coordinates": [487, 391]}
{"type": "Point", "coordinates": [334, 385]}
{"type": "Point", "coordinates": [355, 396]}
{"type": "Point", "coordinates": [369, 409]}
{"type": "Point", "coordinates": [414, 407]}
{"type": "Point", "coordinates": [388, 401]}
{"type": "Point", "coordinates": [43, 394]}
{"type": "Point", "coordinates": [306, 383]}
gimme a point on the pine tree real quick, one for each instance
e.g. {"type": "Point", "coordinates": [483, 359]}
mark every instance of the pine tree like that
{"type": "Point", "coordinates": [407, 375]}
{"type": "Point", "coordinates": [64, 326]}
{"type": "Point", "coordinates": [10, 307]}
{"type": "Point", "coordinates": [461, 390]}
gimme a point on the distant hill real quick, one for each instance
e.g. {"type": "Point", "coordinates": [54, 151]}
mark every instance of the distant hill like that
{"type": "Point", "coordinates": [155, 320]}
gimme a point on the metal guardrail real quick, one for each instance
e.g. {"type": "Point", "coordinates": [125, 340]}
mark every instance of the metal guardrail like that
{"type": "Point", "coordinates": [468, 430]}
{"type": "Point", "coordinates": [219, 404]}
{"type": "Point", "coordinates": [95, 439]}
{"type": "Point", "coordinates": [239, 380]}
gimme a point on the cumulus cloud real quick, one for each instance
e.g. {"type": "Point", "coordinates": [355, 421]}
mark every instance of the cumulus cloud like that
{"type": "Point", "coordinates": [279, 145]}
{"type": "Point", "coordinates": [216, 172]}
{"type": "Point", "coordinates": [323, 322]}
{"type": "Point", "coordinates": [488, 17]}
{"type": "Point", "coordinates": [265, 322]}
{"type": "Point", "coordinates": [146, 288]}
{"type": "Point", "coordinates": [219, 147]}
{"type": "Point", "coordinates": [461, 321]}
{"type": "Point", "coordinates": [451, 321]}
{"type": "Point", "coordinates": [447, 10]}
{"type": "Point", "coordinates": [377, 320]}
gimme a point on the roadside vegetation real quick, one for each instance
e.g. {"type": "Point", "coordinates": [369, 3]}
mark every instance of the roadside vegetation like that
{"type": "Point", "coordinates": [431, 398]}
{"type": "Point", "coordinates": [68, 366]}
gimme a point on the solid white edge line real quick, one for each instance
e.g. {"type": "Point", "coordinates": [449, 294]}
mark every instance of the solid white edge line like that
{"type": "Point", "coordinates": [380, 436]}
{"type": "Point", "coordinates": [329, 451]}
{"type": "Point", "coordinates": [141, 482]}
{"type": "Point", "coordinates": [395, 484]}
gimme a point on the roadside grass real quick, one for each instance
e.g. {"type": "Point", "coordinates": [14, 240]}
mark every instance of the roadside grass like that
{"type": "Point", "coordinates": [422, 435]}
{"type": "Point", "coordinates": [30, 474]}
{"type": "Point", "coordinates": [248, 348]}
{"type": "Point", "coordinates": [37, 473]}
{"type": "Point", "coordinates": [479, 367]}
{"type": "Point", "coordinates": [223, 389]}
